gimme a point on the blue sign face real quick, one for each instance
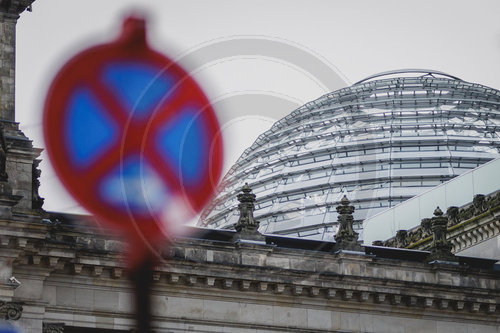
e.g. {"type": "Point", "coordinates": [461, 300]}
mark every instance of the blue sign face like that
{"type": "Point", "coordinates": [94, 128]}
{"type": "Point", "coordinates": [9, 329]}
{"type": "Point", "coordinates": [140, 87]}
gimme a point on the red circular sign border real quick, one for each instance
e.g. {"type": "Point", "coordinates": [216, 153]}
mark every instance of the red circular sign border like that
{"type": "Point", "coordinates": [127, 48]}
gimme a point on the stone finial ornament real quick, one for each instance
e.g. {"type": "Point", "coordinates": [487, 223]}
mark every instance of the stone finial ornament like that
{"type": "Point", "coordinates": [247, 226]}
{"type": "Point", "coordinates": [346, 237]}
{"type": "Point", "coordinates": [441, 247]}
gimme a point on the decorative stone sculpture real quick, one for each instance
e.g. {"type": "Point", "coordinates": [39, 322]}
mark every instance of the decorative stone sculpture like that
{"type": "Point", "coordinates": [479, 202]}
{"type": "Point", "coordinates": [401, 238]}
{"type": "Point", "coordinates": [452, 213]}
{"type": "Point", "coordinates": [53, 328]}
{"type": "Point", "coordinates": [421, 237]}
{"type": "Point", "coordinates": [441, 247]}
{"type": "Point", "coordinates": [425, 224]}
{"type": "Point", "coordinates": [10, 310]}
{"type": "Point", "coordinates": [247, 226]}
{"type": "Point", "coordinates": [346, 237]}
{"type": "Point", "coordinates": [37, 200]}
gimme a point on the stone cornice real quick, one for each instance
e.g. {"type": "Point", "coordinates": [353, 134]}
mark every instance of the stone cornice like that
{"type": "Point", "coordinates": [467, 226]}
{"type": "Point", "coordinates": [264, 270]}
{"type": "Point", "coordinates": [23, 230]}
{"type": "Point", "coordinates": [343, 277]}
{"type": "Point", "coordinates": [53, 328]}
{"type": "Point", "coordinates": [13, 8]}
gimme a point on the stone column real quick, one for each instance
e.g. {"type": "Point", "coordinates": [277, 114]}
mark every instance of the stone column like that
{"type": "Point", "coordinates": [9, 13]}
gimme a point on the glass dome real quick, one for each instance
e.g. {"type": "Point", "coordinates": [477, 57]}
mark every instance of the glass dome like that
{"type": "Point", "coordinates": [380, 141]}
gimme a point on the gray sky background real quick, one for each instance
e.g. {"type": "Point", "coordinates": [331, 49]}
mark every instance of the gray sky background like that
{"type": "Point", "coordinates": [354, 38]}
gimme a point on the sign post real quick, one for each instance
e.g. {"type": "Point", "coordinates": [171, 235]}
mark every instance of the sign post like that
{"type": "Point", "coordinates": [136, 142]}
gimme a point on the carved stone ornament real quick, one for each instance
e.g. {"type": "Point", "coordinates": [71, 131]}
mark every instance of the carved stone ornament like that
{"type": "Point", "coordinates": [441, 247]}
{"type": "Point", "coordinates": [346, 237]}
{"type": "Point", "coordinates": [454, 215]}
{"type": "Point", "coordinates": [37, 200]}
{"type": "Point", "coordinates": [401, 238]}
{"type": "Point", "coordinates": [479, 202]}
{"type": "Point", "coordinates": [426, 226]}
{"type": "Point", "coordinates": [10, 310]}
{"type": "Point", "coordinates": [53, 328]}
{"type": "Point", "coordinates": [247, 226]}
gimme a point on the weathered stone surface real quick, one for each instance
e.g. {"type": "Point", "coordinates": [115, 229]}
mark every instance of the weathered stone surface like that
{"type": "Point", "coordinates": [290, 316]}
{"type": "Point", "coordinates": [319, 319]}
{"type": "Point", "coordinates": [250, 311]}
{"type": "Point", "coordinates": [7, 63]}
{"type": "Point", "coordinates": [232, 285]}
{"type": "Point", "coordinates": [467, 226]}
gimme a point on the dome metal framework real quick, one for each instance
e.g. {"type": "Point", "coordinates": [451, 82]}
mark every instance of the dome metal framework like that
{"type": "Point", "coordinates": [378, 141]}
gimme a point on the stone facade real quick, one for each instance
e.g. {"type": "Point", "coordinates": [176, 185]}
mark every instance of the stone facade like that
{"type": "Point", "coordinates": [17, 155]}
{"type": "Point", "coordinates": [215, 281]}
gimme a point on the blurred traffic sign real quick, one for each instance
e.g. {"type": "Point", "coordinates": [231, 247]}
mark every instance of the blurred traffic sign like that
{"type": "Point", "coordinates": [133, 137]}
{"type": "Point", "coordinates": [8, 329]}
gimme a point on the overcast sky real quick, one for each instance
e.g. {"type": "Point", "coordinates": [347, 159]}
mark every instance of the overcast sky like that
{"type": "Point", "coordinates": [258, 60]}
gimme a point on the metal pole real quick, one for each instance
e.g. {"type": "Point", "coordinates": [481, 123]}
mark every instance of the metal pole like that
{"type": "Point", "coordinates": [142, 279]}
